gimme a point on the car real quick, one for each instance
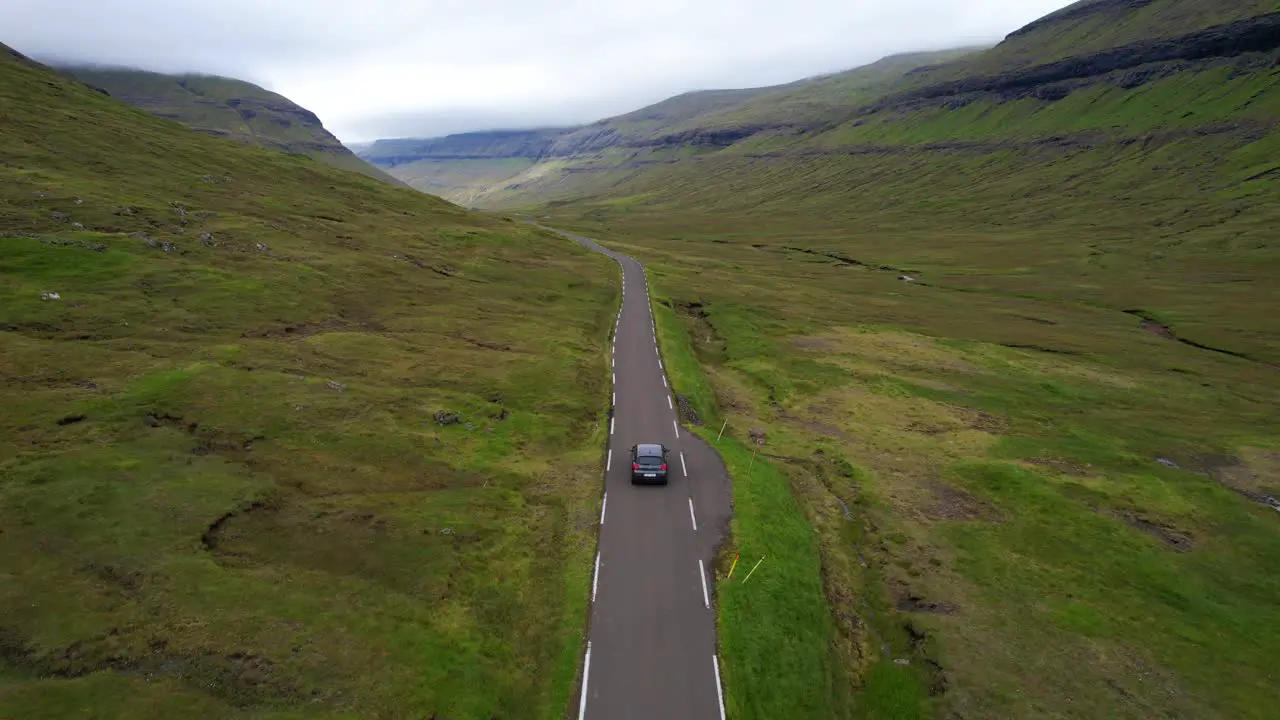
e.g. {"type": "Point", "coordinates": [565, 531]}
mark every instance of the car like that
{"type": "Point", "coordinates": [648, 463]}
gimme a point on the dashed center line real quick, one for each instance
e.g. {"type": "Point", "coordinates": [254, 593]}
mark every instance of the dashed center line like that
{"type": "Point", "coordinates": [676, 425]}
{"type": "Point", "coordinates": [682, 467]}
{"type": "Point", "coordinates": [692, 519]}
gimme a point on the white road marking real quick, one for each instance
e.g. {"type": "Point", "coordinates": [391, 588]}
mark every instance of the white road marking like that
{"type": "Point", "coordinates": [682, 467]}
{"type": "Point", "coordinates": [615, 378]}
{"type": "Point", "coordinates": [702, 573]}
{"type": "Point", "coordinates": [693, 519]}
{"type": "Point", "coordinates": [595, 579]}
{"type": "Point", "coordinates": [615, 399]}
{"type": "Point", "coordinates": [677, 427]}
{"type": "Point", "coordinates": [664, 381]}
{"type": "Point", "coordinates": [608, 463]}
{"type": "Point", "coordinates": [714, 661]}
{"type": "Point", "coordinates": [660, 364]}
{"type": "Point", "coordinates": [611, 421]}
{"type": "Point", "coordinates": [669, 405]}
{"type": "Point", "coordinates": [586, 672]}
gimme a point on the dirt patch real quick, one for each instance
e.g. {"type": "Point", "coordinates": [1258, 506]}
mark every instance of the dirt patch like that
{"type": "Point", "coordinates": [1254, 475]}
{"type": "Point", "coordinates": [815, 343]}
{"type": "Point", "coordinates": [936, 676]}
{"type": "Point", "coordinates": [298, 329]}
{"type": "Point", "coordinates": [1066, 467]}
{"type": "Point", "coordinates": [982, 421]}
{"type": "Point", "coordinates": [1173, 537]}
{"type": "Point", "coordinates": [208, 441]}
{"type": "Point", "coordinates": [819, 427]}
{"type": "Point", "coordinates": [909, 601]}
{"type": "Point", "coordinates": [925, 428]}
{"type": "Point", "coordinates": [212, 534]}
{"type": "Point", "coordinates": [120, 578]}
{"type": "Point", "coordinates": [951, 503]}
{"type": "Point", "coordinates": [242, 678]}
{"type": "Point", "coordinates": [1146, 322]}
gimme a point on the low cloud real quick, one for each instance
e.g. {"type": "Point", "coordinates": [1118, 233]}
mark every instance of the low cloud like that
{"type": "Point", "coordinates": [384, 68]}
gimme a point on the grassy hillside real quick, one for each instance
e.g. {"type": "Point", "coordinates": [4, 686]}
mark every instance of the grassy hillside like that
{"type": "Point", "coordinates": [493, 169]}
{"type": "Point", "coordinates": [280, 440]}
{"type": "Point", "coordinates": [228, 108]}
{"type": "Point", "coordinates": [1043, 470]}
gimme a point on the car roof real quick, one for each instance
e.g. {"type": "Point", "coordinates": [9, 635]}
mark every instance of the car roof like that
{"type": "Point", "coordinates": [648, 449]}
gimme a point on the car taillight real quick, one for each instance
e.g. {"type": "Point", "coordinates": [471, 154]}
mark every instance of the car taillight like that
{"type": "Point", "coordinates": [635, 466]}
{"type": "Point", "coordinates": [664, 466]}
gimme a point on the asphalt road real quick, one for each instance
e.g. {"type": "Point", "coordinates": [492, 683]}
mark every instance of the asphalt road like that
{"type": "Point", "coordinates": [651, 650]}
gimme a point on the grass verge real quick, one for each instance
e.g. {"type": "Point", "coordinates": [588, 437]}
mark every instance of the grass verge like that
{"type": "Point", "coordinates": [775, 632]}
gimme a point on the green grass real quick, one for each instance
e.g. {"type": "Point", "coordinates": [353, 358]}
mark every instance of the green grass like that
{"type": "Point", "coordinates": [224, 491]}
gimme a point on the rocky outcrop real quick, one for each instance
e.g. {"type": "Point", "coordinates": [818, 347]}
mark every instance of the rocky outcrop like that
{"type": "Point", "coordinates": [1260, 34]}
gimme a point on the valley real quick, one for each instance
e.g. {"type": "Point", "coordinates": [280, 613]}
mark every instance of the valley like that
{"type": "Point", "coordinates": [997, 317]}
{"type": "Point", "coordinates": [982, 340]}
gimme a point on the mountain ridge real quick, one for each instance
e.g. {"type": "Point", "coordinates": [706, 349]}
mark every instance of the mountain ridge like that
{"type": "Point", "coordinates": [226, 107]}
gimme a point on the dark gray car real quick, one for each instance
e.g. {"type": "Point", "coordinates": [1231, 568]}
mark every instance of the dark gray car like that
{"type": "Point", "coordinates": [648, 463]}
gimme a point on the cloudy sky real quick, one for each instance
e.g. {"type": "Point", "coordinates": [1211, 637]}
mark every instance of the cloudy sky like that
{"type": "Point", "coordinates": [394, 68]}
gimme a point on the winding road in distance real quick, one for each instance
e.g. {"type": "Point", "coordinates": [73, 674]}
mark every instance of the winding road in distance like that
{"type": "Point", "coordinates": [651, 649]}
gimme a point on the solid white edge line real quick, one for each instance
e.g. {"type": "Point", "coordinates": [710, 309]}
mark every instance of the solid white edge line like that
{"type": "Point", "coordinates": [669, 405]}
{"type": "Point", "coordinates": [595, 578]}
{"type": "Point", "coordinates": [586, 672]}
{"type": "Point", "coordinates": [702, 573]}
{"type": "Point", "coordinates": [682, 466]}
{"type": "Point", "coordinates": [693, 519]}
{"type": "Point", "coordinates": [715, 661]}
{"type": "Point", "coordinates": [676, 425]}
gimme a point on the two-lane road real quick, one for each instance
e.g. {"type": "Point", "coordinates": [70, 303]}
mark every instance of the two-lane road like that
{"type": "Point", "coordinates": [651, 652]}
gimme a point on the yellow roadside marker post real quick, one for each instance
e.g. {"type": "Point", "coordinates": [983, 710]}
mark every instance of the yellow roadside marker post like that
{"type": "Point", "coordinates": [734, 565]}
